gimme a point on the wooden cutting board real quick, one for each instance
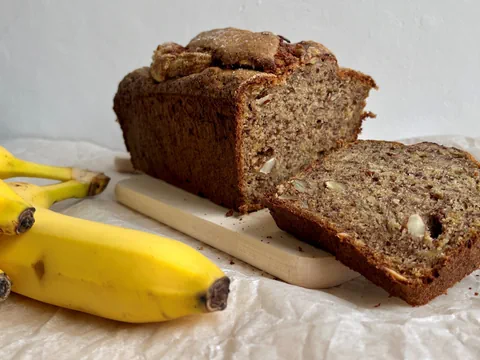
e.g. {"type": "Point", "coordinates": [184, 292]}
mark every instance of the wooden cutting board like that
{"type": "Point", "coordinates": [253, 238]}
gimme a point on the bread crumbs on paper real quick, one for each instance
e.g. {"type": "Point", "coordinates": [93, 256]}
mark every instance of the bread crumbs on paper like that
{"type": "Point", "coordinates": [269, 237]}
{"type": "Point", "coordinates": [229, 213]}
{"type": "Point", "coordinates": [476, 294]}
{"type": "Point", "coordinates": [232, 262]}
{"type": "Point", "coordinates": [200, 248]}
{"type": "Point", "coordinates": [377, 305]}
{"type": "Point", "coordinates": [300, 249]}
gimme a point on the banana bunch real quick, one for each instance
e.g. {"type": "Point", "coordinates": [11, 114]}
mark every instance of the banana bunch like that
{"type": "Point", "coordinates": [100, 269]}
{"type": "Point", "coordinates": [16, 214]}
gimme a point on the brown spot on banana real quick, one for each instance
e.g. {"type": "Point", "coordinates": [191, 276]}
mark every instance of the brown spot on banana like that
{"type": "Point", "coordinates": [165, 316]}
{"type": "Point", "coordinates": [39, 268]}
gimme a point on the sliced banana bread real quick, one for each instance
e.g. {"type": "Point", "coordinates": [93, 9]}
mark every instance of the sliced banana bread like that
{"type": "Point", "coordinates": [406, 217]}
{"type": "Point", "coordinates": [235, 112]}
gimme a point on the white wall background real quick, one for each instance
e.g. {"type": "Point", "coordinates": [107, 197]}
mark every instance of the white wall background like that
{"type": "Point", "coordinates": [61, 61]}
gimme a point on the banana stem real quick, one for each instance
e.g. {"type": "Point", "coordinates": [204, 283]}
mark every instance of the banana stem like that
{"type": "Point", "coordinates": [66, 190]}
{"type": "Point", "coordinates": [217, 295]}
{"type": "Point", "coordinates": [24, 168]}
{"type": "Point", "coordinates": [16, 217]}
{"type": "Point", "coordinates": [5, 286]}
{"type": "Point", "coordinates": [25, 220]}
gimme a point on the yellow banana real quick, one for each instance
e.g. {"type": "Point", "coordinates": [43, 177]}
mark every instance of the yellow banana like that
{"type": "Point", "coordinates": [108, 271]}
{"type": "Point", "coordinates": [5, 286]}
{"type": "Point", "coordinates": [10, 167]}
{"type": "Point", "coordinates": [16, 215]}
{"type": "Point", "coordinates": [46, 196]}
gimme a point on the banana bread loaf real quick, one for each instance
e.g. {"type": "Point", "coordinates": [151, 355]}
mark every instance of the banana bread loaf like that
{"type": "Point", "coordinates": [406, 217]}
{"type": "Point", "coordinates": [235, 112]}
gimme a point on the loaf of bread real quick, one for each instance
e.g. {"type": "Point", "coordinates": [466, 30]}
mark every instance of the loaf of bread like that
{"type": "Point", "coordinates": [236, 112]}
{"type": "Point", "coordinates": [406, 217]}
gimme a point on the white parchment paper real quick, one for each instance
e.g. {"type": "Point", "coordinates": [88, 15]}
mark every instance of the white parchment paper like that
{"type": "Point", "coordinates": [265, 318]}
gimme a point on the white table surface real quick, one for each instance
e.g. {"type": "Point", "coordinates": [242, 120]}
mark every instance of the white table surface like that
{"type": "Point", "coordinates": [265, 318]}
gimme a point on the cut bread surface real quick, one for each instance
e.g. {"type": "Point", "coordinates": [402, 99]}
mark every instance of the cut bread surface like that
{"type": "Point", "coordinates": [287, 127]}
{"type": "Point", "coordinates": [402, 213]}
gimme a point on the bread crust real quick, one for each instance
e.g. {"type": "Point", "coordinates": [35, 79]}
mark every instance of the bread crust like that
{"type": "Point", "coordinates": [464, 261]}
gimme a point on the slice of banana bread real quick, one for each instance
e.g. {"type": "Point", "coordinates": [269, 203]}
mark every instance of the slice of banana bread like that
{"type": "Point", "coordinates": [406, 217]}
{"type": "Point", "coordinates": [235, 112]}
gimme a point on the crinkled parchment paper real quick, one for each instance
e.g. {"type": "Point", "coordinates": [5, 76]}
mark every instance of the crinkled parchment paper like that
{"type": "Point", "coordinates": [265, 318]}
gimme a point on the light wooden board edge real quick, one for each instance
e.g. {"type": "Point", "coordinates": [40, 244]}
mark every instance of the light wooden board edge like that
{"type": "Point", "coordinates": [311, 268]}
